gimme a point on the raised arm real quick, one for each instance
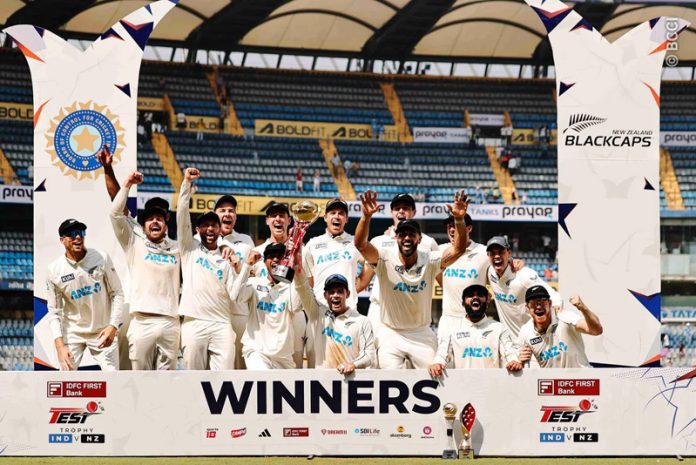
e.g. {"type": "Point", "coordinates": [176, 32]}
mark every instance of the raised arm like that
{"type": "Point", "coordinates": [106, 158]}
{"type": "Point", "coordinates": [590, 323]}
{"type": "Point", "coordinates": [183, 215]}
{"type": "Point", "coordinates": [369, 208]}
{"type": "Point", "coordinates": [309, 301]}
{"type": "Point", "coordinates": [461, 235]}
{"type": "Point", "coordinates": [122, 227]}
{"type": "Point", "coordinates": [241, 291]}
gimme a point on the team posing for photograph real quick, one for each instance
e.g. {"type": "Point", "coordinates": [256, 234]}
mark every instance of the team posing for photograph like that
{"type": "Point", "coordinates": [213, 296]}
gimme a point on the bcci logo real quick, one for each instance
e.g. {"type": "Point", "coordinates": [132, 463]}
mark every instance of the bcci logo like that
{"type": "Point", "coordinates": [77, 135]}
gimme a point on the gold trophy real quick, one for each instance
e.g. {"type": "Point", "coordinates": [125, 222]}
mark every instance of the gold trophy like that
{"type": "Point", "coordinates": [304, 213]}
{"type": "Point", "coordinates": [450, 411]}
{"type": "Point", "coordinates": [466, 420]}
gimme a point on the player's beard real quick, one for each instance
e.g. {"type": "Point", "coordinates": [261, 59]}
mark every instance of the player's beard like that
{"type": "Point", "coordinates": [476, 315]}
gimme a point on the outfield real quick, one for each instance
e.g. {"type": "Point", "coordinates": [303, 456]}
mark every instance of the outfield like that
{"type": "Point", "coordinates": [333, 461]}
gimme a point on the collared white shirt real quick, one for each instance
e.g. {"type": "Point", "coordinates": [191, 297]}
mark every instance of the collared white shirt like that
{"type": "Point", "coordinates": [340, 339]}
{"type": "Point", "coordinates": [83, 297]}
{"type": "Point", "coordinates": [406, 295]}
{"type": "Point", "coordinates": [470, 268]}
{"type": "Point", "coordinates": [484, 344]}
{"type": "Point", "coordinates": [326, 255]}
{"type": "Point", "coordinates": [154, 268]}
{"type": "Point", "coordinates": [208, 278]}
{"type": "Point", "coordinates": [561, 346]}
{"type": "Point", "coordinates": [509, 292]}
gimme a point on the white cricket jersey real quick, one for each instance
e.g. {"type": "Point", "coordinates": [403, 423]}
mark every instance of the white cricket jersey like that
{"type": "Point", "coordinates": [269, 328]}
{"type": "Point", "coordinates": [240, 248]}
{"type": "Point", "coordinates": [561, 346]}
{"type": "Point", "coordinates": [208, 278]}
{"type": "Point", "coordinates": [509, 291]}
{"type": "Point", "coordinates": [326, 255]}
{"type": "Point", "coordinates": [154, 268]}
{"type": "Point", "coordinates": [406, 295]}
{"type": "Point", "coordinates": [235, 238]}
{"type": "Point", "coordinates": [484, 344]}
{"type": "Point", "coordinates": [470, 268]}
{"type": "Point", "coordinates": [84, 296]}
{"type": "Point", "coordinates": [388, 240]}
{"type": "Point", "coordinates": [340, 339]}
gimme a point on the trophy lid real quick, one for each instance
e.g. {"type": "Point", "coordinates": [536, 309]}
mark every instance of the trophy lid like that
{"type": "Point", "coordinates": [305, 210]}
{"type": "Point", "coordinates": [449, 409]}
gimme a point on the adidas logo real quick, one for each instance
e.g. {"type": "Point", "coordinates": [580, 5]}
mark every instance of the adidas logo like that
{"type": "Point", "coordinates": [265, 434]}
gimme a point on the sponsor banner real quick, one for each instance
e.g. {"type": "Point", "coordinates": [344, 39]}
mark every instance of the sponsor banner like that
{"type": "Point", "coordinates": [202, 124]}
{"type": "Point", "coordinates": [320, 130]}
{"type": "Point", "coordinates": [609, 174]}
{"type": "Point", "coordinates": [486, 119]}
{"type": "Point", "coordinates": [83, 101]}
{"type": "Point", "coordinates": [678, 138]}
{"type": "Point", "coordinates": [441, 135]}
{"type": "Point", "coordinates": [16, 194]}
{"type": "Point", "coordinates": [17, 111]}
{"type": "Point", "coordinates": [678, 314]}
{"type": "Point", "coordinates": [150, 104]}
{"type": "Point", "coordinates": [373, 413]}
{"type": "Point", "coordinates": [16, 285]}
{"type": "Point", "coordinates": [526, 137]}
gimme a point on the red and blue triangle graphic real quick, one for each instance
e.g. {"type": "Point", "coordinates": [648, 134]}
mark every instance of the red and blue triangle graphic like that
{"type": "Point", "coordinates": [652, 303]}
{"type": "Point", "coordinates": [110, 33]}
{"type": "Point", "coordinates": [139, 32]}
{"type": "Point", "coordinates": [551, 20]}
{"type": "Point", "coordinates": [583, 24]}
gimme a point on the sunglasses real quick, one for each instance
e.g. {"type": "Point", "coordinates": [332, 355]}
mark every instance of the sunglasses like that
{"type": "Point", "coordinates": [73, 234]}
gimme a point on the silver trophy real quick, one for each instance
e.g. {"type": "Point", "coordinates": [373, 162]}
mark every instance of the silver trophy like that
{"type": "Point", "coordinates": [450, 411]}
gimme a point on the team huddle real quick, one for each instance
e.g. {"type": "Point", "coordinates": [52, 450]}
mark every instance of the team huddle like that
{"type": "Point", "coordinates": [213, 296]}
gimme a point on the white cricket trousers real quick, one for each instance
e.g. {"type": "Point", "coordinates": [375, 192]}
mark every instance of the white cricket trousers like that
{"type": "Point", "coordinates": [258, 361]}
{"type": "Point", "coordinates": [207, 345]}
{"type": "Point", "coordinates": [239, 323]}
{"type": "Point", "coordinates": [397, 347]}
{"type": "Point", "coordinates": [153, 341]}
{"type": "Point", "coordinates": [107, 358]}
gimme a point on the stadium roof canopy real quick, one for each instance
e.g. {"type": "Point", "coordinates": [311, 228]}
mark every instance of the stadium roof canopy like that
{"type": "Point", "coordinates": [502, 31]}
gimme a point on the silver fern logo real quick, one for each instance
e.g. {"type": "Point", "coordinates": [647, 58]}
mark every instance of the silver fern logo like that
{"type": "Point", "coordinates": [581, 121]}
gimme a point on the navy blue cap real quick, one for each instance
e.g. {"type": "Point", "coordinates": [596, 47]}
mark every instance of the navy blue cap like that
{"type": "Point", "coordinates": [335, 279]}
{"type": "Point", "coordinates": [536, 292]}
{"type": "Point", "coordinates": [273, 248]}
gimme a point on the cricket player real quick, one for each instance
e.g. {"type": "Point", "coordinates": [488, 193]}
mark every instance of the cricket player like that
{"type": "Point", "coordinates": [207, 336]}
{"type": "Point", "coordinates": [344, 338]}
{"type": "Point", "coordinates": [235, 247]}
{"type": "Point", "coordinates": [471, 268]}
{"type": "Point", "coordinates": [403, 207]}
{"type": "Point", "coordinates": [553, 340]}
{"type": "Point", "coordinates": [475, 341]}
{"type": "Point", "coordinates": [334, 253]}
{"type": "Point", "coordinates": [278, 222]}
{"type": "Point", "coordinates": [406, 278]}
{"type": "Point", "coordinates": [85, 301]}
{"type": "Point", "coordinates": [268, 342]}
{"type": "Point", "coordinates": [154, 265]}
{"type": "Point", "coordinates": [509, 287]}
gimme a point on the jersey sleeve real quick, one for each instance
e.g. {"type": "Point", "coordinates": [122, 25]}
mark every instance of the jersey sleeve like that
{"type": "Point", "coordinates": [444, 349]}
{"type": "Point", "coordinates": [123, 228]}
{"type": "Point", "coordinates": [113, 284]}
{"type": "Point", "coordinates": [506, 347]}
{"type": "Point", "coordinates": [306, 296]}
{"type": "Point", "coordinates": [241, 291]}
{"type": "Point", "coordinates": [435, 261]}
{"type": "Point", "coordinates": [367, 354]}
{"type": "Point", "coordinates": [54, 302]}
{"type": "Point", "coordinates": [307, 261]}
{"type": "Point", "coordinates": [569, 317]}
{"type": "Point", "coordinates": [183, 219]}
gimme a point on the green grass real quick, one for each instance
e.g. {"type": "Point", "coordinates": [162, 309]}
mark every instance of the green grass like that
{"type": "Point", "coordinates": [333, 461]}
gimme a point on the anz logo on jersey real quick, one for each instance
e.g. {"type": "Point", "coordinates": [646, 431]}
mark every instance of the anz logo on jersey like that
{"type": "Point", "coordinates": [334, 256]}
{"type": "Point", "coordinates": [507, 298]}
{"type": "Point", "coordinates": [554, 351]}
{"type": "Point", "coordinates": [478, 352]}
{"type": "Point", "coordinates": [270, 307]}
{"type": "Point", "coordinates": [206, 265]}
{"type": "Point", "coordinates": [159, 258]}
{"type": "Point", "coordinates": [340, 338]}
{"type": "Point", "coordinates": [462, 273]}
{"type": "Point", "coordinates": [411, 288]}
{"type": "Point", "coordinates": [85, 291]}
